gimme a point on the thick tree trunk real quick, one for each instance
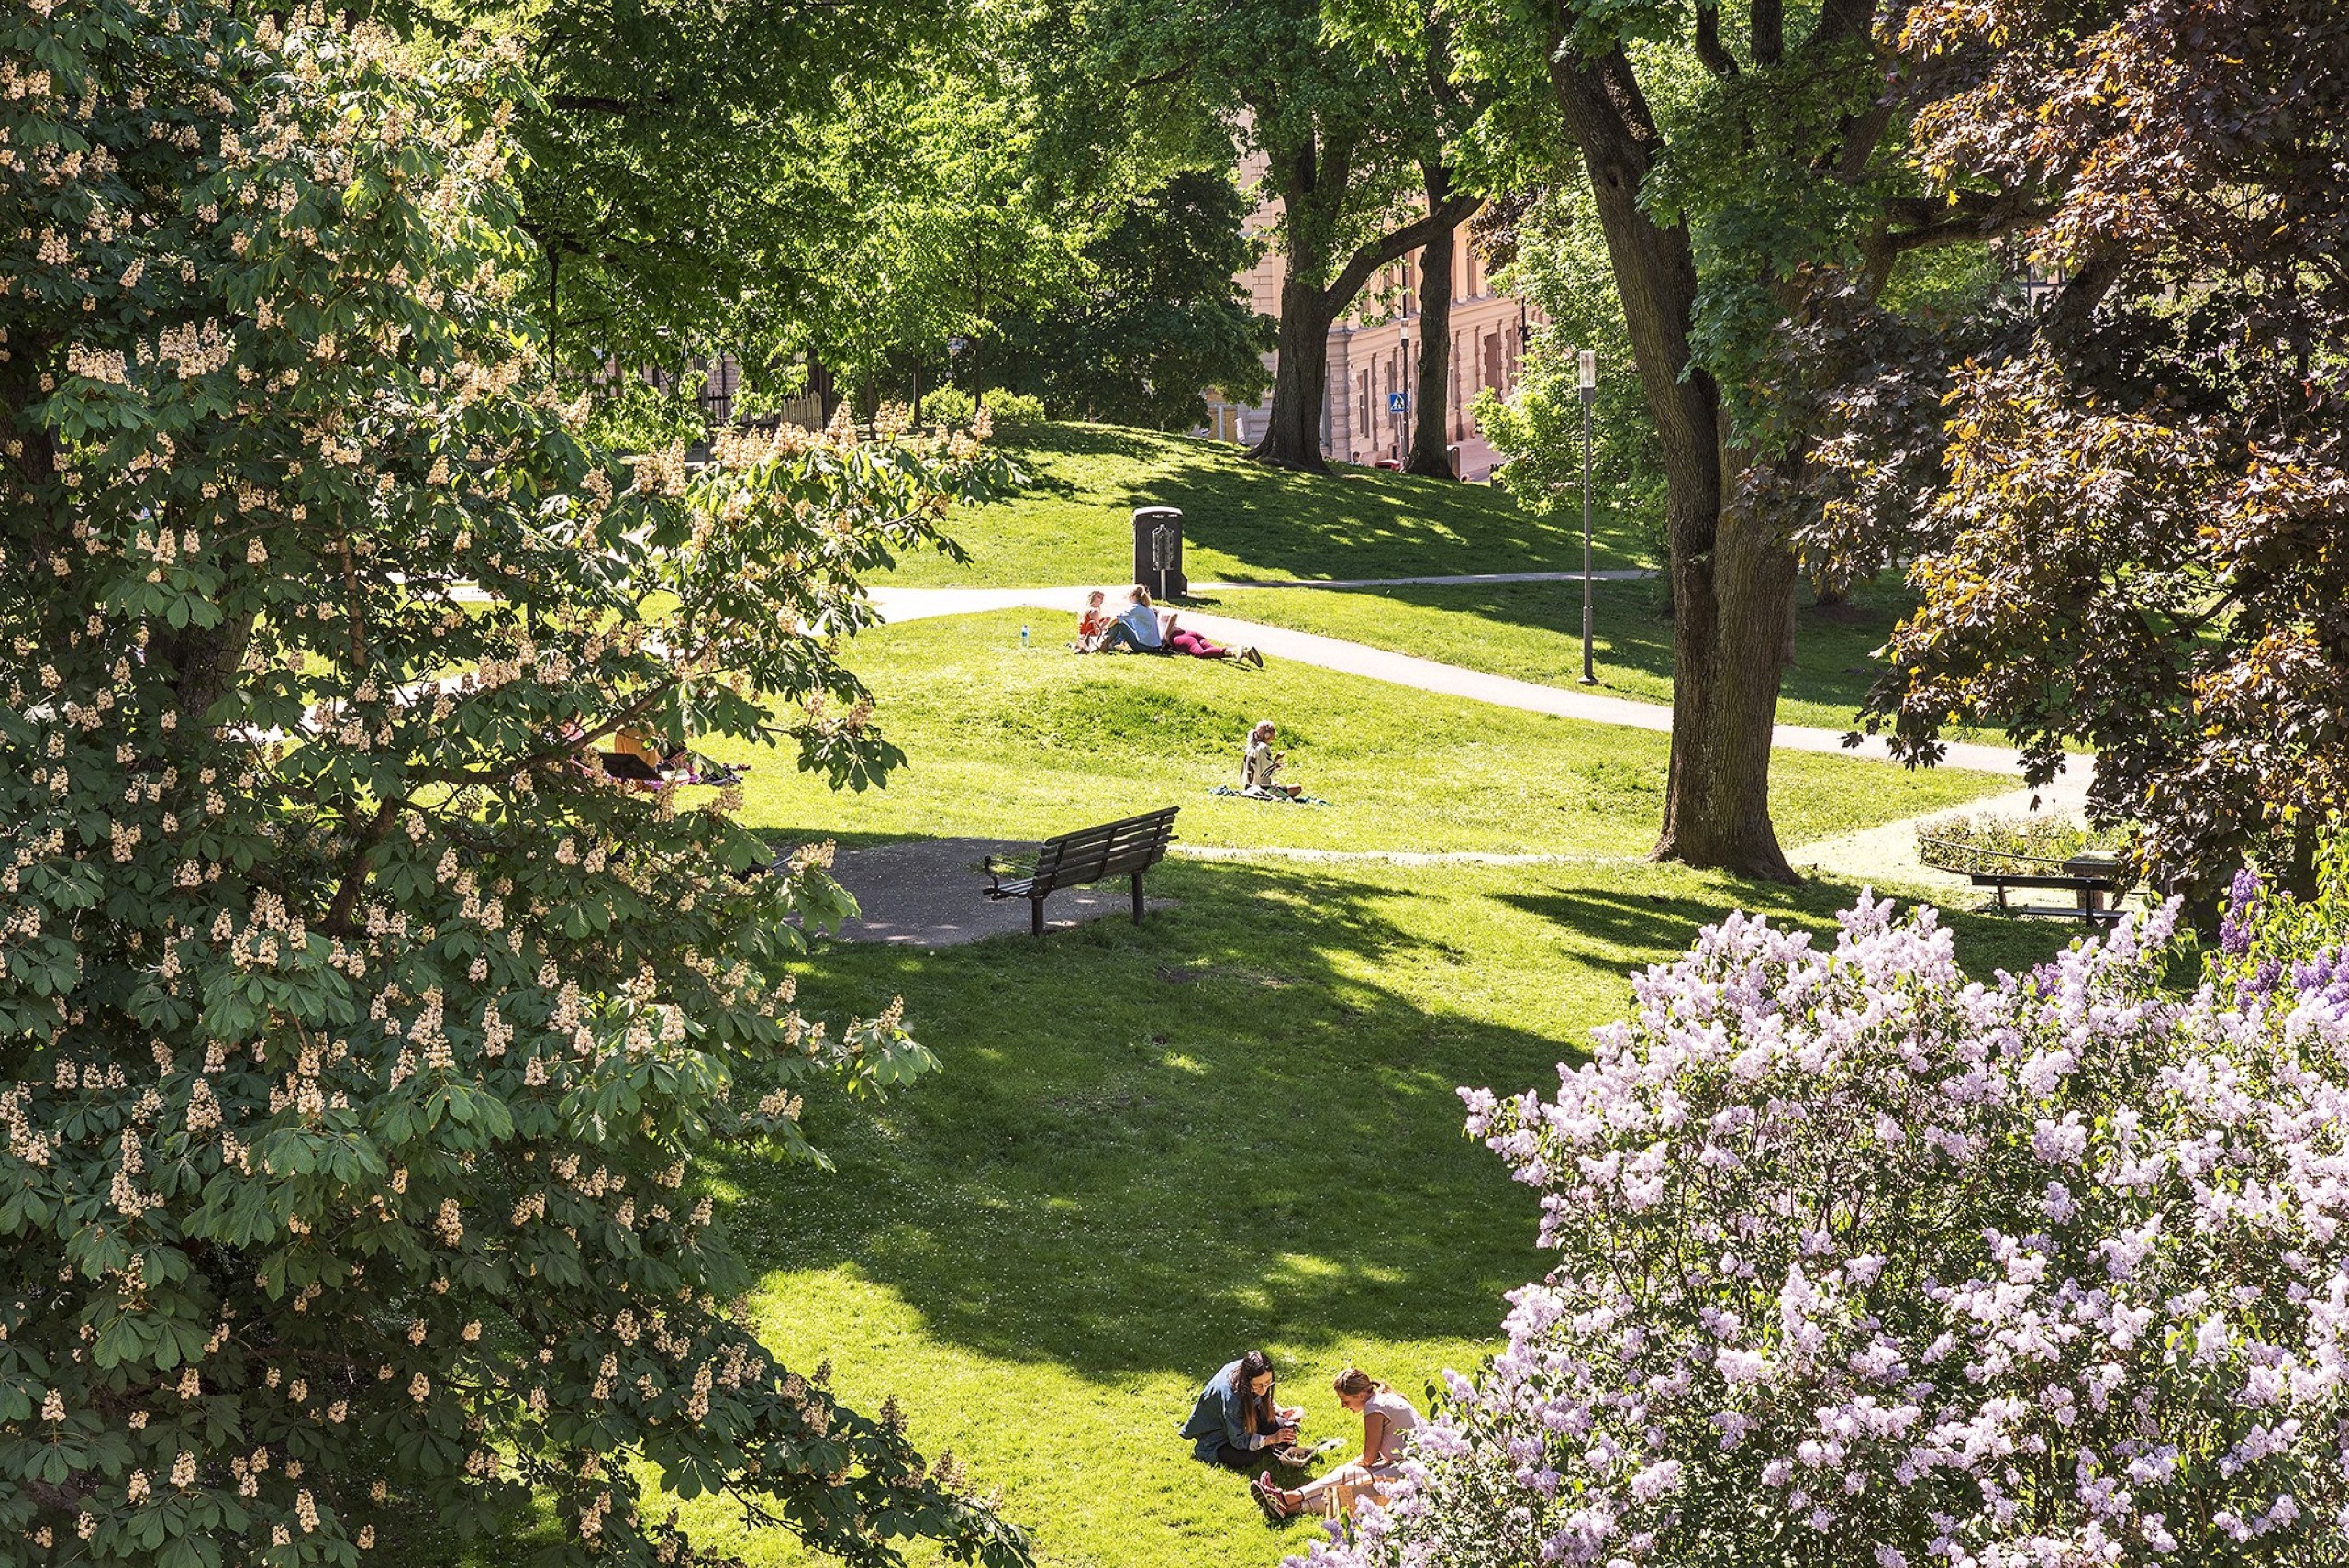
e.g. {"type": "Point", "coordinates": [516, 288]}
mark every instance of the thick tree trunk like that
{"type": "Point", "coordinates": [1733, 610]}
{"type": "Point", "coordinates": [1431, 422]}
{"type": "Point", "coordinates": [1732, 576]}
{"type": "Point", "coordinates": [1292, 436]}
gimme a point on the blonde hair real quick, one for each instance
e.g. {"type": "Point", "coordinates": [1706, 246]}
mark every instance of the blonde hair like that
{"type": "Point", "coordinates": [1138, 594]}
{"type": "Point", "coordinates": [1354, 1380]}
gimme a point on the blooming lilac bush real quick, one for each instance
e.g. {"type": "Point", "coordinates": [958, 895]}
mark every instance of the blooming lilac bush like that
{"type": "Point", "coordinates": [1861, 1262]}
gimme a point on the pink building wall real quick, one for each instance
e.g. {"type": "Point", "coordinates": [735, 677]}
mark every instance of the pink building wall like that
{"type": "Point", "coordinates": [1366, 361]}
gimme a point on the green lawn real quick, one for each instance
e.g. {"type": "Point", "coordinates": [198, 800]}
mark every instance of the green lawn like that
{"type": "Point", "coordinates": [1019, 742]}
{"type": "Point", "coordinates": [1154, 1148]}
{"type": "Point", "coordinates": [1533, 631]}
{"type": "Point", "coordinates": [1073, 523]}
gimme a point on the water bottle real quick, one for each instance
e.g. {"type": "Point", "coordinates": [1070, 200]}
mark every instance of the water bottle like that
{"type": "Point", "coordinates": [1023, 636]}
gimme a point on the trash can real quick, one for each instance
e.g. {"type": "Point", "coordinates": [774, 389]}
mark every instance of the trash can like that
{"type": "Point", "coordinates": [1158, 552]}
{"type": "Point", "coordinates": [2098, 863]}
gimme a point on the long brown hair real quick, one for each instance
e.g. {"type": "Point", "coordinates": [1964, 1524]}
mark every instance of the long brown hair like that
{"type": "Point", "coordinates": [1255, 1409]}
{"type": "Point", "coordinates": [1354, 1380]}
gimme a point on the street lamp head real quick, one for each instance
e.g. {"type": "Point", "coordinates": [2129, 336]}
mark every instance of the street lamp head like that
{"type": "Point", "coordinates": [1403, 340]}
{"type": "Point", "coordinates": [1589, 369]}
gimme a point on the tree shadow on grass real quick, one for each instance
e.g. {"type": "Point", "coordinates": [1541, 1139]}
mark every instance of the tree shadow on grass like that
{"type": "Point", "coordinates": [1152, 1145]}
{"type": "Point", "coordinates": [1363, 523]}
{"type": "Point", "coordinates": [1603, 920]}
{"type": "Point", "coordinates": [1236, 1124]}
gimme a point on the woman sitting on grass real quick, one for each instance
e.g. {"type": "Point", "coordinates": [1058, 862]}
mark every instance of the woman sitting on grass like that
{"type": "Point", "coordinates": [1235, 1418]}
{"type": "Point", "coordinates": [1386, 1417]}
{"type": "Point", "coordinates": [1092, 625]}
{"type": "Point", "coordinates": [1135, 626]}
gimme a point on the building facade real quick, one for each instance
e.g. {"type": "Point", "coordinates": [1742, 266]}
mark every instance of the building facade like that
{"type": "Point", "coordinates": [1374, 352]}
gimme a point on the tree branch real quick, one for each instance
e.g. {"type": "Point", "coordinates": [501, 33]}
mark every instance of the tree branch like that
{"type": "Point", "coordinates": [354, 876]}
{"type": "Point", "coordinates": [1769, 31]}
{"type": "Point", "coordinates": [1395, 245]}
{"type": "Point", "coordinates": [1839, 22]}
{"type": "Point", "coordinates": [1718, 60]}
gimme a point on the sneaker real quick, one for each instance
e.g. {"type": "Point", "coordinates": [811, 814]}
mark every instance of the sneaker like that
{"type": "Point", "coordinates": [1250, 656]}
{"type": "Point", "coordinates": [1268, 1497]}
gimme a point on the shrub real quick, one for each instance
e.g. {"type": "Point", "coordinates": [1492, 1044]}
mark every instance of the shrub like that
{"type": "Point", "coordinates": [365, 1044]}
{"type": "Point", "coordinates": [1008, 408]}
{"type": "Point", "coordinates": [949, 405]}
{"type": "Point", "coordinates": [1863, 1265]}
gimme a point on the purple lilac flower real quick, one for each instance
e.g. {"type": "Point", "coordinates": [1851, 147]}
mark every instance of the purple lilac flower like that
{"type": "Point", "coordinates": [1845, 1244]}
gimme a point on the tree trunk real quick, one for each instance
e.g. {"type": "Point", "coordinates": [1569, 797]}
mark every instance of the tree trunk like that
{"type": "Point", "coordinates": [1292, 436]}
{"type": "Point", "coordinates": [1430, 420]}
{"type": "Point", "coordinates": [820, 383]}
{"type": "Point", "coordinates": [1732, 576]}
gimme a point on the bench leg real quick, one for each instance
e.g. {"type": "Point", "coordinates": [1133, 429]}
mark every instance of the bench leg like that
{"type": "Point", "coordinates": [1137, 899]}
{"type": "Point", "coordinates": [1036, 916]}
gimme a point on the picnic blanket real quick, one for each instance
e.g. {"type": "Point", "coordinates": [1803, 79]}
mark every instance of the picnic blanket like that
{"type": "Point", "coordinates": [1271, 799]}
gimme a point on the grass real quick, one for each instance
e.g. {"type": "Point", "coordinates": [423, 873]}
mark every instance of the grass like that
{"type": "Point", "coordinates": [1017, 742]}
{"type": "Point", "coordinates": [1241, 521]}
{"type": "Point", "coordinates": [1236, 1125]}
{"type": "Point", "coordinates": [1154, 1148]}
{"type": "Point", "coordinates": [1533, 631]}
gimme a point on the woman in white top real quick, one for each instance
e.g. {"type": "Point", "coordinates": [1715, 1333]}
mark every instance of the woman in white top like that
{"type": "Point", "coordinates": [1386, 1418]}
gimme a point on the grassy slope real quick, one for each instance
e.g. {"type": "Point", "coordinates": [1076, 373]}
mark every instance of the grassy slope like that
{"type": "Point", "coordinates": [1152, 1147]}
{"type": "Point", "coordinates": [1243, 522]}
{"type": "Point", "coordinates": [1533, 631]}
{"type": "Point", "coordinates": [1017, 743]}
{"type": "Point", "coordinates": [1240, 520]}
{"type": "Point", "coordinates": [1236, 1125]}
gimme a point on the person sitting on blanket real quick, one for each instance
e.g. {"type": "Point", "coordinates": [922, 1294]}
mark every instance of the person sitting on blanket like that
{"type": "Point", "coordinates": [1386, 1418]}
{"type": "Point", "coordinates": [1235, 1419]}
{"type": "Point", "coordinates": [1092, 625]}
{"type": "Point", "coordinates": [1259, 762]}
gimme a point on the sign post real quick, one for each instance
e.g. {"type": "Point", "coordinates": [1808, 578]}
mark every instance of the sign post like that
{"type": "Point", "coordinates": [1590, 390]}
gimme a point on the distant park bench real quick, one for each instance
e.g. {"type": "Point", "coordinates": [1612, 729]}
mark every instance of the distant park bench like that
{"type": "Point", "coordinates": [1127, 848]}
{"type": "Point", "coordinates": [2096, 882]}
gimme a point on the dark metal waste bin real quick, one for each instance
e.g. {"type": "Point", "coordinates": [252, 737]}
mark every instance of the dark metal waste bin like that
{"type": "Point", "coordinates": [1158, 552]}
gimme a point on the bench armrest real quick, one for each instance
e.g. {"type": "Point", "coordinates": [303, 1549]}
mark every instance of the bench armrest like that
{"type": "Point", "coordinates": [998, 868]}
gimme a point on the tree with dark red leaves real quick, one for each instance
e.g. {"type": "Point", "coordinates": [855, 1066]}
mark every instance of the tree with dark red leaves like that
{"type": "Point", "coordinates": [2137, 535]}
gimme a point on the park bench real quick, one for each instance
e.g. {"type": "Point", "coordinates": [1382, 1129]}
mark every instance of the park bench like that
{"type": "Point", "coordinates": [1126, 848]}
{"type": "Point", "coordinates": [2096, 882]}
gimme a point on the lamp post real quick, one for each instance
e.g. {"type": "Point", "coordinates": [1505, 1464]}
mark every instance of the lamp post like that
{"type": "Point", "coordinates": [1589, 393]}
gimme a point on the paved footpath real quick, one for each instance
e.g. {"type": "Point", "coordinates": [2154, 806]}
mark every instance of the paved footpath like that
{"type": "Point", "coordinates": [1886, 854]}
{"type": "Point", "coordinates": [1429, 674]}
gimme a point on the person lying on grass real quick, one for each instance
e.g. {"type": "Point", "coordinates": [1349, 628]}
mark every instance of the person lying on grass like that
{"type": "Point", "coordinates": [1235, 1419]}
{"type": "Point", "coordinates": [1386, 1417]}
{"type": "Point", "coordinates": [1146, 630]}
{"type": "Point", "coordinates": [1259, 762]}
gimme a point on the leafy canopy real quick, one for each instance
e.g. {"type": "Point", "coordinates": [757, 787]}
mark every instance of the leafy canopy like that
{"type": "Point", "coordinates": [366, 1045]}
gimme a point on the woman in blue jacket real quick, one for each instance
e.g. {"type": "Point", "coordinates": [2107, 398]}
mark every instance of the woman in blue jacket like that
{"type": "Point", "coordinates": [1235, 1417]}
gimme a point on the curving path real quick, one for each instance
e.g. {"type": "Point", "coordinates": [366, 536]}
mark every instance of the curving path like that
{"type": "Point", "coordinates": [1883, 854]}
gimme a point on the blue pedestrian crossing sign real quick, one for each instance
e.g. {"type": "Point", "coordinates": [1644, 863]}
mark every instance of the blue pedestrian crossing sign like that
{"type": "Point", "coordinates": [1398, 403]}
